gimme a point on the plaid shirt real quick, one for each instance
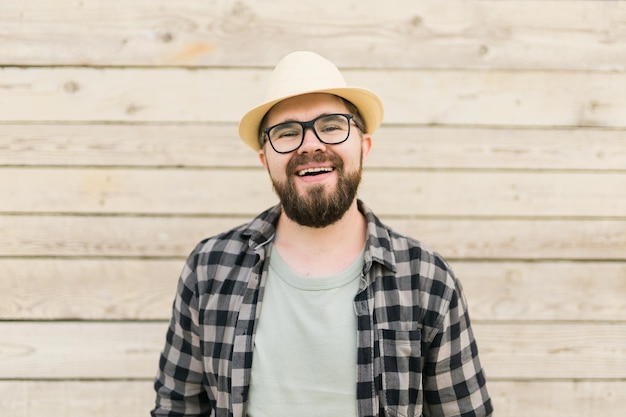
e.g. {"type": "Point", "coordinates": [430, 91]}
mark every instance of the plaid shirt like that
{"type": "Point", "coordinates": [416, 350]}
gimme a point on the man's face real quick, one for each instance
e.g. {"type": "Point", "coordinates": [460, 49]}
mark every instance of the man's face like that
{"type": "Point", "coordinates": [317, 183]}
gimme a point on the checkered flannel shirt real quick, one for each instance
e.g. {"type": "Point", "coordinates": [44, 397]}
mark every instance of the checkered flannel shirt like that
{"type": "Point", "coordinates": [416, 350]}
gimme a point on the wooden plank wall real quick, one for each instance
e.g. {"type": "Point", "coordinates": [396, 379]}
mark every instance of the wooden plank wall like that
{"type": "Point", "coordinates": [504, 148]}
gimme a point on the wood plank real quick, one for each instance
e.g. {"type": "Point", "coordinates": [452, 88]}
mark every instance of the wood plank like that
{"type": "Point", "coordinates": [87, 289]}
{"type": "Point", "coordinates": [519, 239]}
{"type": "Point", "coordinates": [244, 192]}
{"type": "Point", "coordinates": [492, 148]}
{"type": "Point", "coordinates": [96, 350]}
{"type": "Point", "coordinates": [134, 398]}
{"type": "Point", "coordinates": [468, 193]}
{"type": "Point", "coordinates": [555, 350]}
{"type": "Point", "coordinates": [215, 145]}
{"type": "Point", "coordinates": [124, 190]}
{"type": "Point", "coordinates": [153, 145]}
{"type": "Point", "coordinates": [131, 289]}
{"type": "Point", "coordinates": [544, 291]}
{"type": "Point", "coordinates": [88, 350]}
{"type": "Point", "coordinates": [576, 35]}
{"type": "Point", "coordinates": [118, 236]}
{"type": "Point", "coordinates": [81, 236]}
{"type": "Point", "coordinates": [451, 97]}
{"type": "Point", "coordinates": [558, 398]}
{"type": "Point", "coordinates": [76, 398]}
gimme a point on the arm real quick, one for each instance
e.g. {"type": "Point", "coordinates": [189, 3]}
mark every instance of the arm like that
{"type": "Point", "coordinates": [454, 381]}
{"type": "Point", "coordinates": [178, 384]}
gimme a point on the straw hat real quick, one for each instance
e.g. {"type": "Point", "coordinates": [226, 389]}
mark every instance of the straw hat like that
{"type": "Point", "coordinates": [306, 72]}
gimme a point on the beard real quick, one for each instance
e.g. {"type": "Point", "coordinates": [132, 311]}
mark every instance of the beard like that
{"type": "Point", "coordinates": [317, 207]}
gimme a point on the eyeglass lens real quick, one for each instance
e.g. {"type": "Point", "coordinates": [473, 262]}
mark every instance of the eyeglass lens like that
{"type": "Point", "coordinates": [330, 129]}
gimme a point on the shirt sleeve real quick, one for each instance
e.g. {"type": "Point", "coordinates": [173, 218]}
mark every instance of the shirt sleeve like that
{"type": "Point", "coordinates": [454, 380]}
{"type": "Point", "coordinates": [179, 384]}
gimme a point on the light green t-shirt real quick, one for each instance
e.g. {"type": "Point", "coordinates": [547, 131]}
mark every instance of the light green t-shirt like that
{"type": "Point", "coordinates": [304, 359]}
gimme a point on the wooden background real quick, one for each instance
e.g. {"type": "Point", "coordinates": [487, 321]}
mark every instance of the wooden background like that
{"type": "Point", "coordinates": [503, 147]}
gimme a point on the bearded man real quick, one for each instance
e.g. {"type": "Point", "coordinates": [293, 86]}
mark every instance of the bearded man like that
{"type": "Point", "coordinates": [315, 307]}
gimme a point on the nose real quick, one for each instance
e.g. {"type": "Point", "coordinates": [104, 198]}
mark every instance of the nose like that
{"type": "Point", "coordinates": [310, 142]}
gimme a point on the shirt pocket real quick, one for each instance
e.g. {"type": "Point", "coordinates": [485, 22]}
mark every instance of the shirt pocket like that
{"type": "Point", "coordinates": [401, 372]}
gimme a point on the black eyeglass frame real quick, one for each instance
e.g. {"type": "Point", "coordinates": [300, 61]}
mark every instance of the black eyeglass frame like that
{"type": "Point", "coordinates": [308, 125]}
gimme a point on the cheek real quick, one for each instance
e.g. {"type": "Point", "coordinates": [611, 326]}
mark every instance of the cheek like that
{"type": "Point", "coordinates": [275, 168]}
{"type": "Point", "coordinates": [355, 160]}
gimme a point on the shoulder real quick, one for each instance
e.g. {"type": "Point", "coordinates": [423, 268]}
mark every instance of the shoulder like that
{"type": "Point", "coordinates": [418, 276]}
{"type": "Point", "coordinates": [227, 254]}
{"type": "Point", "coordinates": [229, 241]}
{"type": "Point", "coordinates": [402, 254]}
{"type": "Point", "coordinates": [251, 235]}
{"type": "Point", "coordinates": [416, 256]}
{"type": "Point", "coordinates": [428, 270]}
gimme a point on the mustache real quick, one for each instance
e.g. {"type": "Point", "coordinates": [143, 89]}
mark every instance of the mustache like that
{"type": "Point", "coordinates": [303, 159]}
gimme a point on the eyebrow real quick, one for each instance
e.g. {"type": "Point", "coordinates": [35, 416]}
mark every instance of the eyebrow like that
{"type": "Point", "coordinates": [298, 121]}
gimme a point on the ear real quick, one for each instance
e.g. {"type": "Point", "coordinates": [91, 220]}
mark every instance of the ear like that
{"type": "Point", "coordinates": [261, 153]}
{"type": "Point", "coordinates": [366, 145]}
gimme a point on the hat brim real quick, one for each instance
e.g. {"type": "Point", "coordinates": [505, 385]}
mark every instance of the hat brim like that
{"type": "Point", "coordinates": [369, 104]}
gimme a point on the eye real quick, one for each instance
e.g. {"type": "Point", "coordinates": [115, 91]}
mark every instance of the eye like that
{"type": "Point", "coordinates": [287, 134]}
{"type": "Point", "coordinates": [331, 124]}
{"type": "Point", "coordinates": [328, 128]}
{"type": "Point", "coordinates": [286, 131]}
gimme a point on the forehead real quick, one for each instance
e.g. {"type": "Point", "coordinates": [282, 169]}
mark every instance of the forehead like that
{"type": "Point", "coordinates": [305, 107]}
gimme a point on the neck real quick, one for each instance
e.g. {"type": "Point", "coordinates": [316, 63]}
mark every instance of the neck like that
{"type": "Point", "coordinates": [321, 251]}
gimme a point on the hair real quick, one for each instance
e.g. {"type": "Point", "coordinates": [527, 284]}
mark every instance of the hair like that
{"type": "Point", "coordinates": [352, 109]}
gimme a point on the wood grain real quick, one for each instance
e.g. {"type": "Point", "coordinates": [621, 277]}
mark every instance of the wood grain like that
{"type": "Point", "coordinates": [119, 350]}
{"type": "Point", "coordinates": [544, 291]}
{"type": "Point", "coordinates": [246, 192]}
{"type": "Point", "coordinates": [486, 239]}
{"type": "Point", "coordinates": [76, 398]}
{"type": "Point", "coordinates": [557, 398]}
{"type": "Point", "coordinates": [143, 289]}
{"type": "Point", "coordinates": [572, 35]}
{"type": "Point", "coordinates": [502, 148]}
{"type": "Point", "coordinates": [87, 289]}
{"type": "Point", "coordinates": [62, 350]}
{"type": "Point", "coordinates": [135, 398]}
{"type": "Point", "coordinates": [218, 145]}
{"type": "Point", "coordinates": [425, 97]}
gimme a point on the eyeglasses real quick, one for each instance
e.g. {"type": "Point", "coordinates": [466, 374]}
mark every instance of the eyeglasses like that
{"type": "Point", "coordinates": [330, 129]}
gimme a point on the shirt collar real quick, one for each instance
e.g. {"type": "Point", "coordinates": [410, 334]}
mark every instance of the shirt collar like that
{"type": "Point", "coordinates": [378, 248]}
{"type": "Point", "coordinates": [262, 229]}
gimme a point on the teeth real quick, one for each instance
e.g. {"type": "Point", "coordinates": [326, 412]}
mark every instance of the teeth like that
{"type": "Point", "coordinates": [310, 171]}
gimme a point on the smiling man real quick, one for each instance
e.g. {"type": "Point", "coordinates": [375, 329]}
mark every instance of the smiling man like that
{"type": "Point", "coordinates": [315, 307]}
{"type": "Point", "coordinates": [316, 189]}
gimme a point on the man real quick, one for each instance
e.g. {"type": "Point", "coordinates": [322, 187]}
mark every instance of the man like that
{"type": "Point", "coordinates": [315, 308]}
